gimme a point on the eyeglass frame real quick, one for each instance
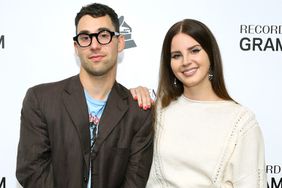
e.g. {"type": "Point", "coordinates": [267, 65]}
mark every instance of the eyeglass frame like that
{"type": "Point", "coordinates": [91, 35]}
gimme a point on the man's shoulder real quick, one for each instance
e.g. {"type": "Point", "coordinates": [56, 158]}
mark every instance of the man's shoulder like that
{"type": "Point", "coordinates": [133, 104]}
{"type": "Point", "coordinates": [53, 89]}
{"type": "Point", "coordinates": [56, 85]}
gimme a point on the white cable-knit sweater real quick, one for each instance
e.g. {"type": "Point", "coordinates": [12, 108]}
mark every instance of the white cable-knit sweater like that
{"type": "Point", "coordinates": [207, 144]}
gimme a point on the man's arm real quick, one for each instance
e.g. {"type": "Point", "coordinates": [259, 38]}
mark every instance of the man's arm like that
{"type": "Point", "coordinates": [141, 153]}
{"type": "Point", "coordinates": [34, 165]}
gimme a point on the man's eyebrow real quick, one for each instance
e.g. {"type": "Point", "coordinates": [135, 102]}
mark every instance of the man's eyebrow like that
{"type": "Point", "coordinates": [103, 28]}
{"type": "Point", "coordinates": [84, 31]}
{"type": "Point", "coordinates": [99, 29]}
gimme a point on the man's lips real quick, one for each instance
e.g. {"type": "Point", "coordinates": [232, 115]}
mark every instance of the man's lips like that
{"type": "Point", "coordinates": [96, 58]}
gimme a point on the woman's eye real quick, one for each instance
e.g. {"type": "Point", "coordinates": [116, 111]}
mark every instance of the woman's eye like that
{"type": "Point", "coordinates": [175, 56]}
{"type": "Point", "coordinates": [195, 50]}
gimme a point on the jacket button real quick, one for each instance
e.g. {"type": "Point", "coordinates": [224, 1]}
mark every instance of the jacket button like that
{"type": "Point", "coordinates": [85, 179]}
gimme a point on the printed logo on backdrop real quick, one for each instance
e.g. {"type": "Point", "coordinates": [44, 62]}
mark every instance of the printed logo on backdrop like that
{"type": "Point", "coordinates": [126, 30]}
{"type": "Point", "coordinates": [3, 182]}
{"type": "Point", "coordinates": [2, 41]}
{"type": "Point", "coordinates": [261, 38]}
{"type": "Point", "coordinates": [274, 176]}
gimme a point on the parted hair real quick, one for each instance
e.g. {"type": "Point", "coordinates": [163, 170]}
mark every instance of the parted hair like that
{"type": "Point", "coordinates": [167, 92]}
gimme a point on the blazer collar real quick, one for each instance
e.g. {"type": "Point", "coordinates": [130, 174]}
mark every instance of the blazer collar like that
{"type": "Point", "coordinates": [76, 106]}
{"type": "Point", "coordinates": [115, 109]}
{"type": "Point", "coordinates": [75, 103]}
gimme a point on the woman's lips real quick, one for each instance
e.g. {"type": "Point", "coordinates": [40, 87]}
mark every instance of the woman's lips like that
{"type": "Point", "coordinates": [190, 72]}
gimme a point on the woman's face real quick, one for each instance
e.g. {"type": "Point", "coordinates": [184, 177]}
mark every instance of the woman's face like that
{"type": "Point", "coordinates": [189, 62]}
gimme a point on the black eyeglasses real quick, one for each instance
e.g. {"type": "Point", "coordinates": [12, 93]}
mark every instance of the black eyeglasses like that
{"type": "Point", "coordinates": [103, 37]}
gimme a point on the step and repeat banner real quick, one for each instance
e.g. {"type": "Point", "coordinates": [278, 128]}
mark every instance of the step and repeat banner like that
{"type": "Point", "coordinates": [36, 46]}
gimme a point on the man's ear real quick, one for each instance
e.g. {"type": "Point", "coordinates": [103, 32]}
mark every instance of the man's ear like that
{"type": "Point", "coordinates": [121, 43]}
{"type": "Point", "coordinates": [75, 48]}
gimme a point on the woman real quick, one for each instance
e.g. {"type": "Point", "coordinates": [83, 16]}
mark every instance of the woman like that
{"type": "Point", "coordinates": [203, 137]}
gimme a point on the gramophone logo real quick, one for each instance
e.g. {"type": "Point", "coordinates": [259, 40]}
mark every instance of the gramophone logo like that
{"type": "Point", "coordinates": [126, 30]}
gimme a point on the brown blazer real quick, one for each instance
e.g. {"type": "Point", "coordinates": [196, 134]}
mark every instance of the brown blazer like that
{"type": "Point", "coordinates": [54, 145]}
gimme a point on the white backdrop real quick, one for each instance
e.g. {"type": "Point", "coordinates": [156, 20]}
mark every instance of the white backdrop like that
{"type": "Point", "coordinates": [36, 46]}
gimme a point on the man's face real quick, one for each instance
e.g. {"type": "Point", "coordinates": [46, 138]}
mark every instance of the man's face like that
{"type": "Point", "coordinates": [98, 59]}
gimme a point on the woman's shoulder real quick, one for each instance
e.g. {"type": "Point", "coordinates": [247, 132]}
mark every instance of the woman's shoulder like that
{"type": "Point", "coordinates": [245, 119]}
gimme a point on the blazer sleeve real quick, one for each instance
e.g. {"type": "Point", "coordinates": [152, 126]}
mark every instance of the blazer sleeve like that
{"type": "Point", "coordinates": [141, 153]}
{"type": "Point", "coordinates": [246, 167]}
{"type": "Point", "coordinates": [34, 164]}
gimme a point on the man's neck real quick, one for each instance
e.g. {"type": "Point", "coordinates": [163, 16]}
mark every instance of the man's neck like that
{"type": "Point", "coordinates": [97, 87]}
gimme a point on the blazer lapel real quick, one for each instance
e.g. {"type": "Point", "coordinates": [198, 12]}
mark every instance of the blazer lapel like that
{"type": "Point", "coordinates": [115, 109]}
{"type": "Point", "coordinates": [74, 101]}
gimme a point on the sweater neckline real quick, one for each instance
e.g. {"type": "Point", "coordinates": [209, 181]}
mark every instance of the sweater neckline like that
{"type": "Point", "coordinates": [204, 101]}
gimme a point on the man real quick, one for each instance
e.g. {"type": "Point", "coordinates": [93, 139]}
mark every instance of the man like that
{"type": "Point", "coordinates": [86, 131]}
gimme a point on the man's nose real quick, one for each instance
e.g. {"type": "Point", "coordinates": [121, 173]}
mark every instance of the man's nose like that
{"type": "Point", "coordinates": [94, 43]}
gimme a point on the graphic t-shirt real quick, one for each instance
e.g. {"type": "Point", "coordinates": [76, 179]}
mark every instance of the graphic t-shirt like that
{"type": "Point", "coordinates": [95, 111]}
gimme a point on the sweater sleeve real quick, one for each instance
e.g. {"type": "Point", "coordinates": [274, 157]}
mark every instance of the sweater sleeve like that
{"type": "Point", "coordinates": [246, 167]}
